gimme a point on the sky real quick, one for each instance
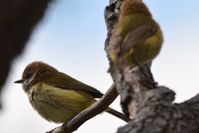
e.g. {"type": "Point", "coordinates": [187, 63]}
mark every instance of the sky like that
{"type": "Point", "coordinates": [71, 38]}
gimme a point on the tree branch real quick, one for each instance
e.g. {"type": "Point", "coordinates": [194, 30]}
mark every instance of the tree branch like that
{"type": "Point", "coordinates": [151, 106]}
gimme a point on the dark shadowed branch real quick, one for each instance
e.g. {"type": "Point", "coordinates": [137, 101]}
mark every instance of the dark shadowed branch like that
{"type": "Point", "coordinates": [18, 19]}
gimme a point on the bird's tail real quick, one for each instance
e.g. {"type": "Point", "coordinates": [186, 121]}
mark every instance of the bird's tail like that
{"type": "Point", "coordinates": [118, 114]}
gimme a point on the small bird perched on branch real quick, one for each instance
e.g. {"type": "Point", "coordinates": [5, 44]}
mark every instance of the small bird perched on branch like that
{"type": "Point", "coordinates": [56, 96]}
{"type": "Point", "coordinates": [137, 38]}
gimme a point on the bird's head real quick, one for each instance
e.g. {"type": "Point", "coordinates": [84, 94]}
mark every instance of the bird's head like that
{"type": "Point", "coordinates": [130, 7]}
{"type": "Point", "coordinates": [35, 72]}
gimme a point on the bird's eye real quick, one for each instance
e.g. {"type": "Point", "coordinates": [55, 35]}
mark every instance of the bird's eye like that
{"type": "Point", "coordinates": [29, 75]}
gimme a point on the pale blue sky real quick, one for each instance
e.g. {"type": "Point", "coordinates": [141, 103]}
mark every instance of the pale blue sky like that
{"type": "Point", "coordinates": [71, 38]}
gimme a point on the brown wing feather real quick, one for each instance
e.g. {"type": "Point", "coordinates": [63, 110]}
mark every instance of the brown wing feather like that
{"type": "Point", "coordinates": [69, 83]}
{"type": "Point", "coordinates": [137, 36]}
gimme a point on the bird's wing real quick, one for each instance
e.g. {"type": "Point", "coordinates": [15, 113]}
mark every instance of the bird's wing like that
{"type": "Point", "coordinates": [138, 35]}
{"type": "Point", "coordinates": [68, 83]}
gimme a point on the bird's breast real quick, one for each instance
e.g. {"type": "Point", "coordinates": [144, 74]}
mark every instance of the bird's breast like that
{"type": "Point", "coordinates": [58, 105]}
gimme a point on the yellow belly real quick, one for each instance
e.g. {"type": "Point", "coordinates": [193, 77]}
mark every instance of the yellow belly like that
{"type": "Point", "coordinates": [150, 48]}
{"type": "Point", "coordinates": [58, 105]}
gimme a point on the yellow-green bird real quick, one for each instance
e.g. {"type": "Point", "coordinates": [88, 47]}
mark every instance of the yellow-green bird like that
{"type": "Point", "coordinates": [56, 96]}
{"type": "Point", "coordinates": [140, 36]}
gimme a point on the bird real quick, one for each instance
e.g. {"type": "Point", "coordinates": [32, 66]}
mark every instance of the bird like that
{"type": "Point", "coordinates": [56, 96]}
{"type": "Point", "coordinates": [137, 38]}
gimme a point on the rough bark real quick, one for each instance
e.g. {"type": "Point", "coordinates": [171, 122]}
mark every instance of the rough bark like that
{"type": "Point", "coordinates": [18, 19]}
{"type": "Point", "coordinates": [149, 105]}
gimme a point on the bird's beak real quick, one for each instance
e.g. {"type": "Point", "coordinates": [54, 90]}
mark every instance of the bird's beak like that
{"type": "Point", "coordinates": [19, 81]}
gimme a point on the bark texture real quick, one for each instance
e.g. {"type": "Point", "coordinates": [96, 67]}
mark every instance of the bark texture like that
{"type": "Point", "coordinates": [149, 105]}
{"type": "Point", "coordinates": [18, 19]}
